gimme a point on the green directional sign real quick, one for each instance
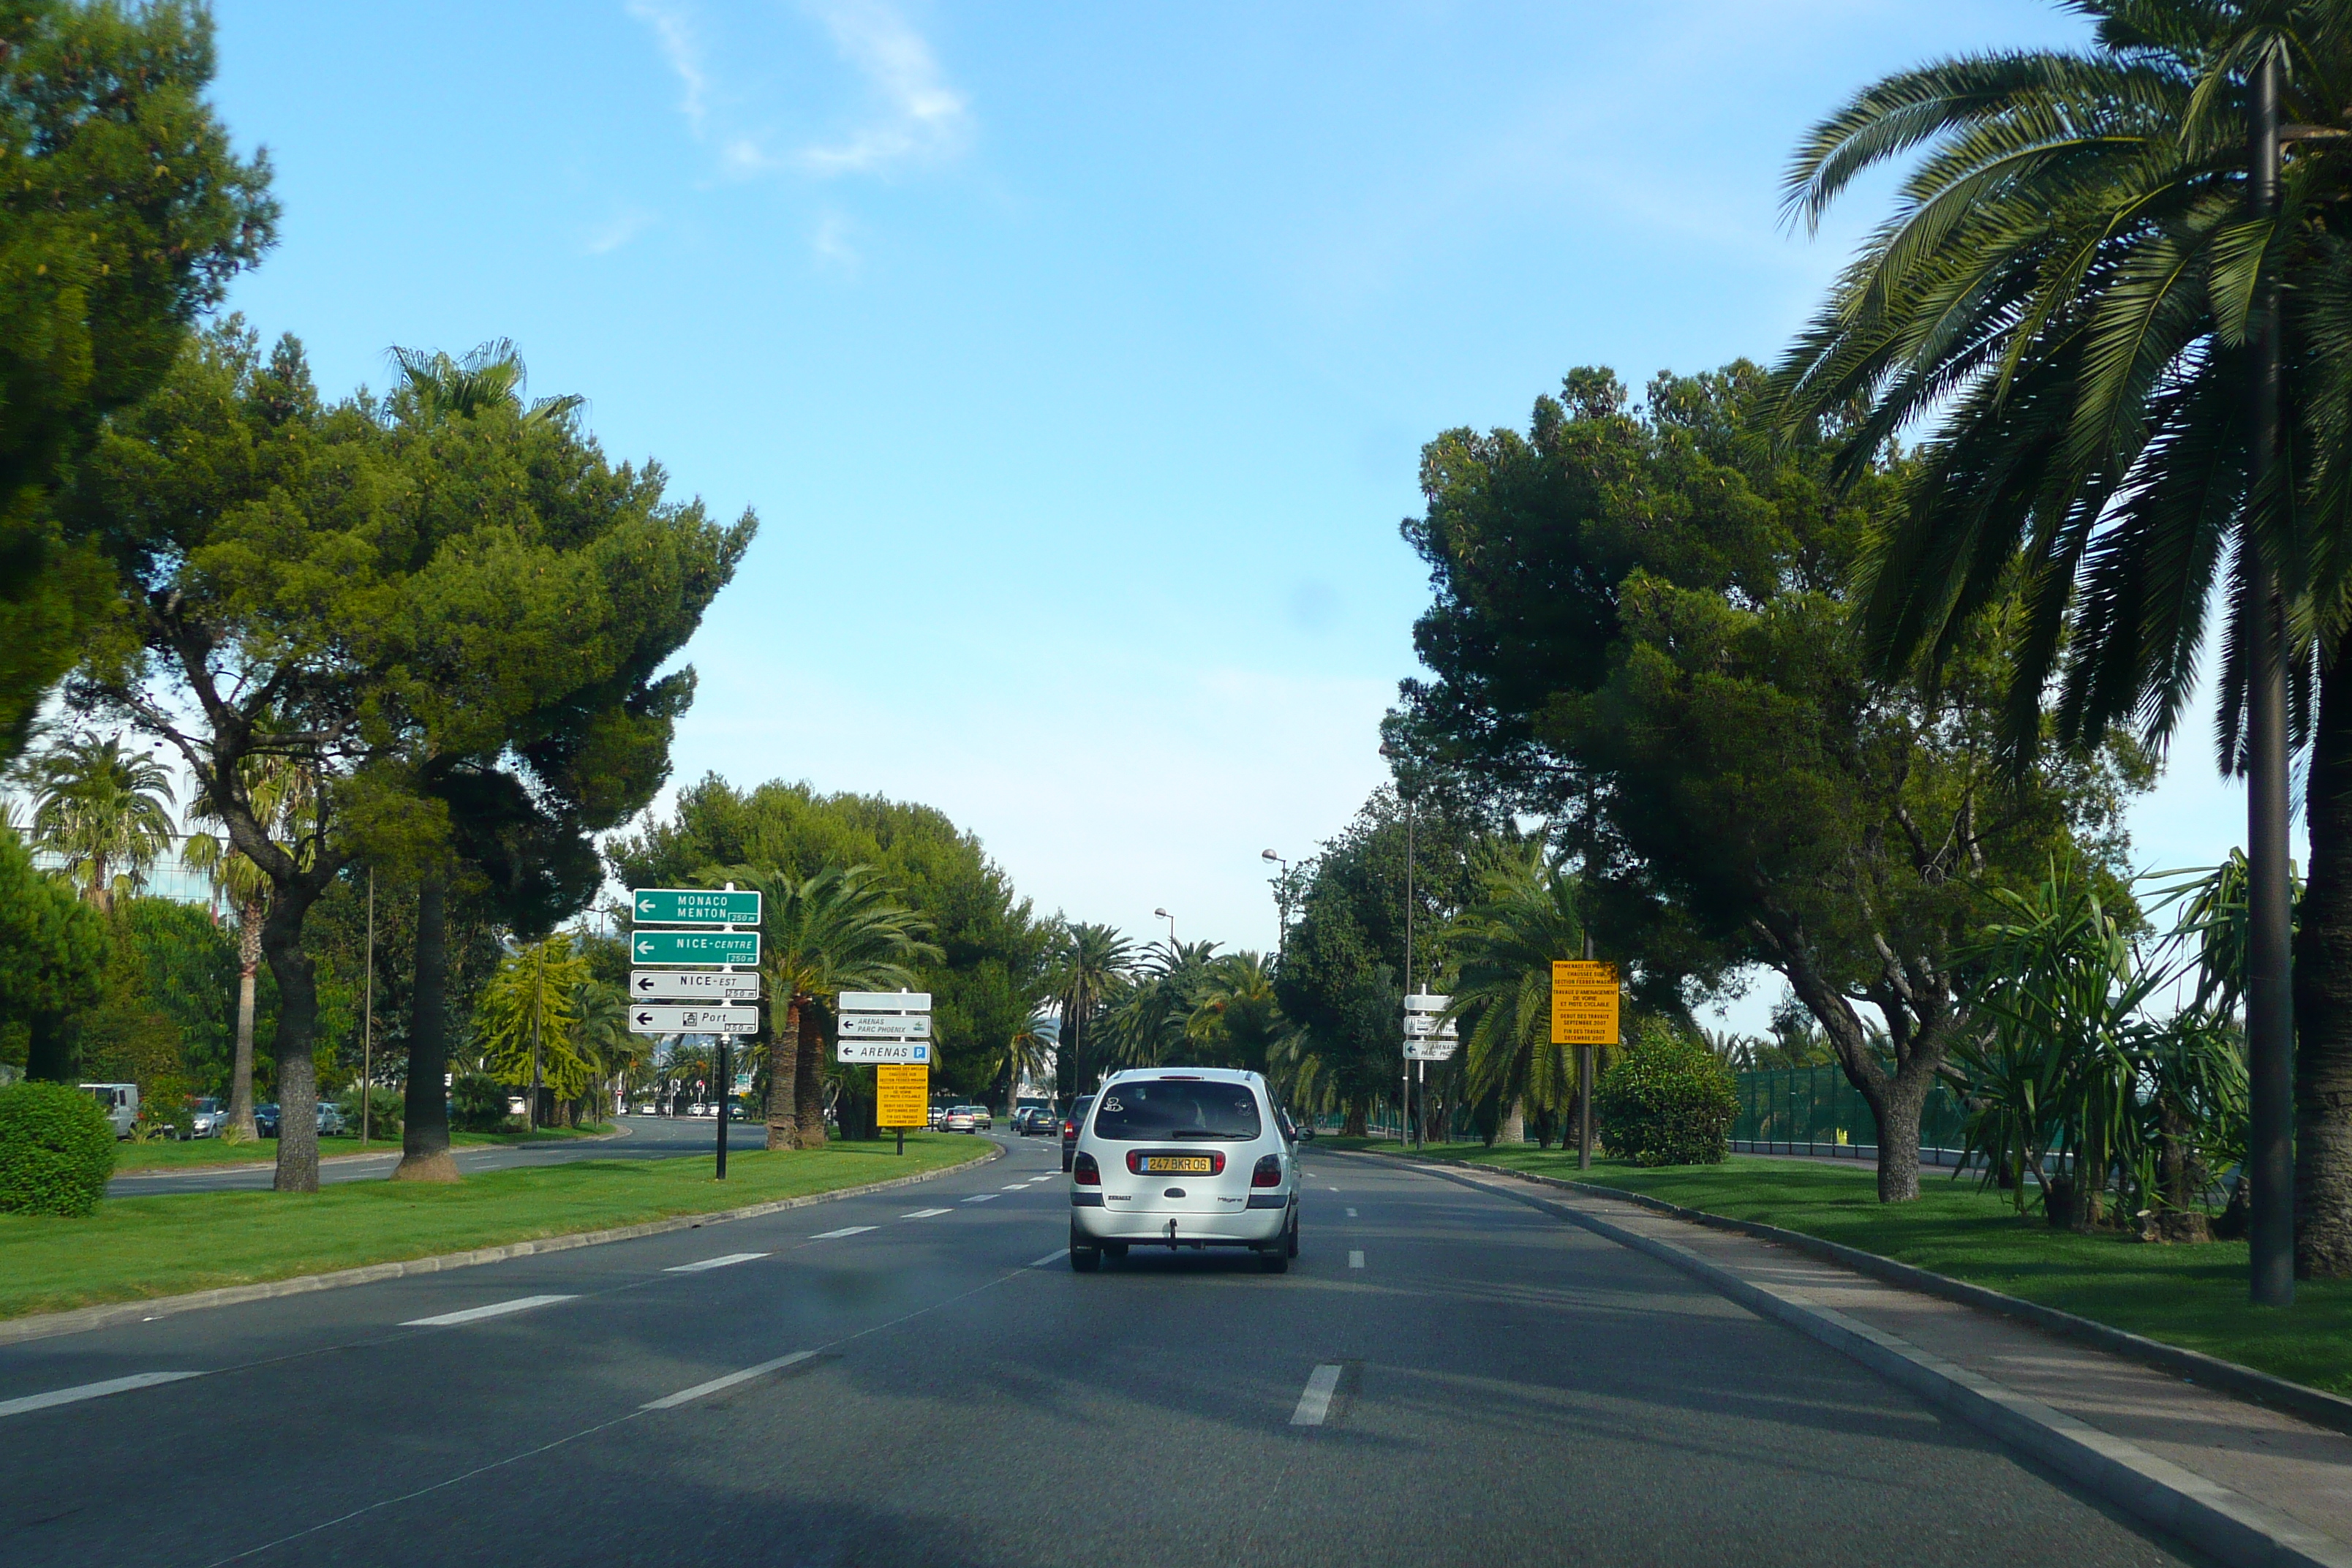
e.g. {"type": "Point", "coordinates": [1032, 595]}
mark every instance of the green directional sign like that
{"type": "Point", "coordinates": [694, 947]}
{"type": "Point", "coordinates": [694, 907]}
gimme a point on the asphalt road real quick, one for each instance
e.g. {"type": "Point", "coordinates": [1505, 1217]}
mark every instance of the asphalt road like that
{"type": "Point", "coordinates": [648, 1138]}
{"type": "Point", "coordinates": [1444, 1376]}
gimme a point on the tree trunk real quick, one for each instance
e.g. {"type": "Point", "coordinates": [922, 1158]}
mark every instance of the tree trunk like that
{"type": "Point", "coordinates": [1514, 1129]}
{"type": "Point", "coordinates": [298, 1025]}
{"type": "Point", "coordinates": [2323, 998]}
{"type": "Point", "coordinates": [425, 1107]}
{"type": "Point", "coordinates": [1895, 1104]}
{"type": "Point", "coordinates": [1352, 1119]}
{"type": "Point", "coordinates": [783, 1076]}
{"type": "Point", "coordinates": [808, 1081]}
{"type": "Point", "coordinates": [49, 1057]}
{"type": "Point", "coordinates": [240, 1079]}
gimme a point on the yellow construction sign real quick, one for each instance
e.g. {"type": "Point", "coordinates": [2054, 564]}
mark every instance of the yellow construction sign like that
{"type": "Point", "coordinates": [902, 1096]}
{"type": "Point", "coordinates": [1583, 1003]}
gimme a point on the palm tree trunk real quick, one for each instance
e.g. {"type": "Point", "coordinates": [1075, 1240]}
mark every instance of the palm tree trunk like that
{"type": "Point", "coordinates": [424, 1112]}
{"type": "Point", "coordinates": [808, 1079]}
{"type": "Point", "coordinates": [783, 1077]}
{"type": "Point", "coordinates": [2323, 998]}
{"type": "Point", "coordinates": [1514, 1123]}
{"type": "Point", "coordinates": [240, 1080]}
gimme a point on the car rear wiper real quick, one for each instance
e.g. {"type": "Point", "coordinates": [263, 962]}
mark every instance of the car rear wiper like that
{"type": "Point", "coordinates": [1202, 1133]}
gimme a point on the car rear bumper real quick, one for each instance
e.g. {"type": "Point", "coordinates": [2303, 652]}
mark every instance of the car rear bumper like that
{"type": "Point", "coordinates": [1224, 1227]}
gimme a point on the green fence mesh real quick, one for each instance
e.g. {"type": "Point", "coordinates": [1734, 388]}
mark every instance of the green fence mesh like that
{"type": "Point", "coordinates": [1817, 1105]}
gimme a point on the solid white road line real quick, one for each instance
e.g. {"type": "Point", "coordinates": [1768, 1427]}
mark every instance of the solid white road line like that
{"type": "Point", "coordinates": [844, 1230]}
{"type": "Point", "coordinates": [90, 1391]}
{"type": "Point", "coordinates": [476, 1314]}
{"type": "Point", "coordinates": [1355, 1260]}
{"type": "Point", "coordinates": [924, 1214]}
{"type": "Point", "coordinates": [687, 1396]}
{"type": "Point", "coordinates": [1058, 1255]}
{"type": "Point", "coordinates": [1316, 1403]}
{"type": "Point", "coordinates": [982, 1198]}
{"type": "Point", "coordinates": [713, 1263]}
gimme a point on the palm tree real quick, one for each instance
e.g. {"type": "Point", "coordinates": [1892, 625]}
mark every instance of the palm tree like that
{"type": "Point", "coordinates": [282, 794]}
{"type": "Point", "coordinates": [491, 376]}
{"type": "Point", "coordinates": [2084, 294]}
{"type": "Point", "coordinates": [528, 1017]}
{"type": "Point", "coordinates": [1091, 967]}
{"type": "Point", "coordinates": [601, 1035]}
{"type": "Point", "coordinates": [837, 930]}
{"type": "Point", "coordinates": [1504, 946]}
{"type": "Point", "coordinates": [106, 810]}
{"type": "Point", "coordinates": [1147, 1026]}
{"type": "Point", "coordinates": [1235, 1019]}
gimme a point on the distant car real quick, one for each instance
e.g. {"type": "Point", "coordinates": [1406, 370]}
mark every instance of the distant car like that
{"type": "Point", "coordinates": [207, 1117]}
{"type": "Point", "coordinates": [264, 1121]}
{"type": "Point", "coordinates": [938, 1116]}
{"type": "Point", "coordinates": [1070, 1125]}
{"type": "Point", "coordinates": [331, 1120]}
{"type": "Point", "coordinates": [1032, 1120]}
{"type": "Point", "coordinates": [959, 1120]}
{"type": "Point", "coordinates": [702, 1107]}
{"type": "Point", "coordinates": [981, 1118]}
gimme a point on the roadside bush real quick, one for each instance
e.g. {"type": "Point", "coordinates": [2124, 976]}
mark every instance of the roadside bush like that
{"type": "Point", "coordinates": [385, 1107]}
{"type": "Point", "coordinates": [1668, 1100]}
{"type": "Point", "coordinates": [478, 1103]}
{"type": "Point", "coordinates": [57, 1149]}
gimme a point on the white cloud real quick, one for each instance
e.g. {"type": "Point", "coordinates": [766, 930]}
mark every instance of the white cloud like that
{"type": "Point", "coordinates": [675, 34]}
{"type": "Point", "coordinates": [622, 228]}
{"type": "Point", "coordinates": [922, 116]}
{"type": "Point", "coordinates": [834, 243]}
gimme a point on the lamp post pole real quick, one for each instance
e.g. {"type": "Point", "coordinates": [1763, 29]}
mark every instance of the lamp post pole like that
{"type": "Point", "coordinates": [2270, 984]}
{"type": "Point", "coordinates": [367, 1023]}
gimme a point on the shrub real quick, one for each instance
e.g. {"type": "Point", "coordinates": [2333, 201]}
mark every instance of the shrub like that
{"type": "Point", "coordinates": [385, 1107]}
{"type": "Point", "coordinates": [57, 1149]}
{"type": "Point", "coordinates": [1668, 1100]}
{"type": "Point", "coordinates": [478, 1103]}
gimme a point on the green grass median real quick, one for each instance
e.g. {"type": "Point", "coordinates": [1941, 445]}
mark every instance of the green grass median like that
{"type": "Point", "coordinates": [136, 1249]}
{"type": "Point", "coordinates": [2194, 1297]}
{"type": "Point", "coordinates": [201, 1153]}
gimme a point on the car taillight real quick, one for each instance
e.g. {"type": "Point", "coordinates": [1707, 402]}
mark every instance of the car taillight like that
{"type": "Point", "coordinates": [1069, 1128]}
{"type": "Point", "coordinates": [1088, 1173]}
{"type": "Point", "coordinates": [1268, 1173]}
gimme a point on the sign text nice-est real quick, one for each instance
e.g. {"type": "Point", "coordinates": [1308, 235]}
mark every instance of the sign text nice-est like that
{"type": "Point", "coordinates": [694, 906]}
{"type": "Point", "coordinates": [692, 985]}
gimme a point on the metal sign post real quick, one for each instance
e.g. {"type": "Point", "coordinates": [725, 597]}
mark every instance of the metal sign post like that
{"type": "Point", "coordinates": [891, 1029]}
{"type": "Point", "coordinates": [720, 949]}
{"type": "Point", "coordinates": [1429, 1036]}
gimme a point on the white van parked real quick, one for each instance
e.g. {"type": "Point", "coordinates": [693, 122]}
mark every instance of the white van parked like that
{"type": "Point", "coordinates": [121, 1103]}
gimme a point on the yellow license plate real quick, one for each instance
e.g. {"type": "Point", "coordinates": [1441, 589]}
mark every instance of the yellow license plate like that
{"type": "Point", "coordinates": [1177, 1164]}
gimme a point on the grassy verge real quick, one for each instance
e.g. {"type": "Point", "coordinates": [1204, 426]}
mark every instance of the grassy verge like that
{"type": "Point", "coordinates": [134, 1248]}
{"type": "Point", "coordinates": [133, 1159]}
{"type": "Point", "coordinates": [2194, 1297]}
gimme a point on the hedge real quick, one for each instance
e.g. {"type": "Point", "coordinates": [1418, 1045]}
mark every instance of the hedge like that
{"type": "Point", "coordinates": [1668, 1100]}
{"type": "Point", "coordinates": [57, 1149]}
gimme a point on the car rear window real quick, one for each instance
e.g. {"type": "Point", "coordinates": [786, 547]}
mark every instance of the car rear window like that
{"type": "Point", "coordinates": [1145, 1109]}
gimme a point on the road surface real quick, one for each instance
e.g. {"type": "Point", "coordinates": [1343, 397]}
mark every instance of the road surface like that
{"type": "Point", "coordinates": [916, 1377]}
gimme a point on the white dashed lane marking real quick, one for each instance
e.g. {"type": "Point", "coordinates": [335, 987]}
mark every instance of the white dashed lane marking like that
{"type": "Point", "coordinates": [923, 1213]}
{"type": "Point", "coordinates": [1316, 1403]}
{"type": "Point", "coordinates": [687, 1396]}
{"type": "Point", "coordinates": [837, 1235]}
{"type": "Point", "coordinates": [476, 1314]}
{"type": "Point", "coordinates": [1351, 1214]}
{"type": "Point", "coordinates": [713, 1263]}
{"type": "Point", "coordinates": [1056, 1256]}
{"type": "Point", "coordinates": [980, 1198]}
{"type": "Point", "coordinates": [1355, 1260]}
{"type": "Point", "coordinates": [81, 1392]}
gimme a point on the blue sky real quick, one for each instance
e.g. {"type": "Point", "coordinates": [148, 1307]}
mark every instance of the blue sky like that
{"type": "Point", "coordinates": [1075, 358]}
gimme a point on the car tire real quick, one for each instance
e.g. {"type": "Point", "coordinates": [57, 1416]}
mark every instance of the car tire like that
{"type": "Point", "coordinates": [1290, 1247]}
{"type": "Point", "coordinates": [1083, 1259]}
{"type": "Point", "coordinates": [1273, 1260]}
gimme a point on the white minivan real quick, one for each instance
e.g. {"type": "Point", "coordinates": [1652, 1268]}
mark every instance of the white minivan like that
{"type": "Point", "coordinates": [1183, 1157]}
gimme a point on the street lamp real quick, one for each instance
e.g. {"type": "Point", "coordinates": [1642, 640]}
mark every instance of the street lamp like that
{"type": "Point", "coordinates": [1281, 900]}
{"type": "Point", "coordinates": [1164, 915]}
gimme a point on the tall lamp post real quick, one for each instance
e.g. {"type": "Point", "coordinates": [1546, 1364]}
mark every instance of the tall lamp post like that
{"type": "Point", "coordinates": [1164, 915]}
{"type": "Point", "coordinates": [1281, 899]}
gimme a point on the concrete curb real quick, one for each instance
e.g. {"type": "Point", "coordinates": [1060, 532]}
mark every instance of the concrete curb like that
{"type": "Point", "coordinates": [80, 1320]}
{"type": "Point", "coordinates": [2233, 1528]}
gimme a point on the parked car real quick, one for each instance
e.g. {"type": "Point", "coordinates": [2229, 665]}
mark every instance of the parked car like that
{"type": "Point", "coordinates": [1193, 1159]}
{"type": "Point", "coordinates": [207, 1117]}
{"type": "Point", "coordinates": [1070, 1125]}
{"type": "Point", "coordinates": [703, 1108]}
{"type": "Point", "coordinates": [119, 1101]}
{"type": "Point", "coordinates": [331, 1120]}
{"type": "Point", "coordinates": [959, 1120]}
{"type": "Point", "coordinates": [265, 1119]}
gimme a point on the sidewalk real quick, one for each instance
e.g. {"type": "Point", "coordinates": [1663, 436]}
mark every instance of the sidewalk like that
{"type": "Point", "coordinates": [2249, 1483]}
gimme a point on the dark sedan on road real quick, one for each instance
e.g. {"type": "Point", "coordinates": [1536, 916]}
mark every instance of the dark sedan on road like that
{"type": "Point", "coordinates": [1070, 1125]}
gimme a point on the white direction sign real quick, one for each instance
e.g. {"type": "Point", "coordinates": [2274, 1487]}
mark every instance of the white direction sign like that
{"type": "Point", "coordinates": [1422, 1002]}
{"type": "Point", "coordinates": [1431, 1050]}
{"type": "Point", "coordinates": [1425, 1026]}
{"type": "Point", "coordinates": [883, 1002]}
{"type": "Point", "coordinates": [903, 1053]}
{"type": "Point", "coordinates": [691, 985]}
{"type": "Point", "coordinates": [646, 1020]}
{"type": "Point", "coordinates": [886, 1025]}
